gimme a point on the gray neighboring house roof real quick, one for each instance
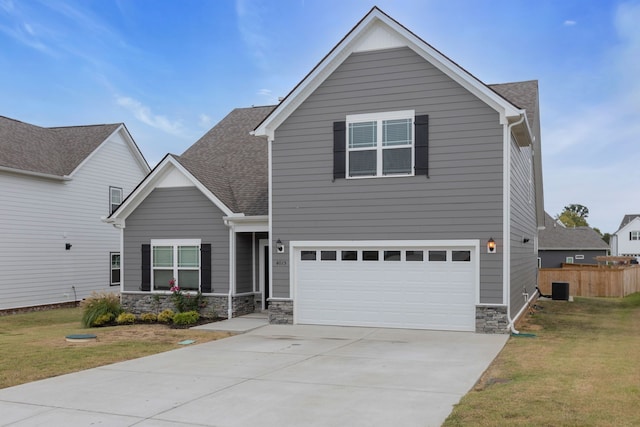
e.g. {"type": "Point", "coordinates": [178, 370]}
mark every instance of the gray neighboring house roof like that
{"type": "Point", "coordinates": [54, 151]}
{"type": "Point", "coordinates": [627, 219]}
{"type": "Point", "coordinates": [557, 236]}
{"type": "Point", "coordinates": [232, 163]}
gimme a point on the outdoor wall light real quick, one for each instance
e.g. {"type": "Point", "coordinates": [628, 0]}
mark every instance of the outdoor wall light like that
{"type": "Point", "coordinates": [279, 246]}
{"type": "Point", "coordinates": [491, 246]}
{"type": "Point", "coordinates": [67, 246]}
{"type": "Point", "coordinates": [525, 240]}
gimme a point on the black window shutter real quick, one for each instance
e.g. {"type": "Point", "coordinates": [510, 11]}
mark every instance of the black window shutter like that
{"type": "Point", "coordinates": [339, 150]}
{"type": "Point", "coordinates": [422, 145]}
{"type": "Point", "coordinates": [146, 268]}
{"type": "Point", "coordinates": [205, 268]}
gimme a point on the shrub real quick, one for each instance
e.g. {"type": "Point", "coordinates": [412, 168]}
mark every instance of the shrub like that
{"type": "Point", "coordinates": [186, 318]}
{"type": "Point", "coordinates": [166, 316]}
{"type": "Point", "coordinates": [100, 309]}
{"type": "Point", "coordinates": [186, 302]}
{"type": "Point", "coordinates": [148, 317]}
{"type": "Point", "coordinates": [125, 318]}
{"type": "Point", "coordinates": [104, 319]}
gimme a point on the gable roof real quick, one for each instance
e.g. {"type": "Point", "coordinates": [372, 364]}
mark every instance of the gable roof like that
{"type": "Point", "coordinates": [56, 151]}
{"type": "Point", "coordinates": [377, 30]}
{"type": "Point", "coordinates": [627, 219]}
{"type": "Point", "coordinates": [228, 165]}
{"type": "Point", "coordinates": [557, 236]}
{"type": "Point", "coordinates": [232, 163]}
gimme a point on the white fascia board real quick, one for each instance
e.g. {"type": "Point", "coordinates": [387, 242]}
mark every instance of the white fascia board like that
{"type": "Point", "coordinates": [245, 224]}
{"type": "Point", "coordinates": [350, 44]}
{"type": "Point", "coordinates": [152, 180]}
{"type": "Point", "coordinates": [36, 174]}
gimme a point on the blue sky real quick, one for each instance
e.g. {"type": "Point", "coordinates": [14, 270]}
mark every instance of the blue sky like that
{"type": "Point", "coordinates": [171, 69]}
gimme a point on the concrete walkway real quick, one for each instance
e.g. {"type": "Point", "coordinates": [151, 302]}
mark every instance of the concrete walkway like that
{"type": "Point", "coordinates": [270, 376]}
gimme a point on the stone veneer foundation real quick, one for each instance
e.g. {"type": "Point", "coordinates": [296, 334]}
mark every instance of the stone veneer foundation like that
{"type": "Point", "coordinates": [492, 320]}
{"type": "Point", "coordinates": [281, 312]}
{"type": "Point", "coordinates": [216, 307]}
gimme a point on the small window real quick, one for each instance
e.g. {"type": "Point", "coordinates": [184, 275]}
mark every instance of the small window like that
{"type": "Point", "coordinates": [458, 256]}
{"type": "Point", "coordinates": [569, 260]}
{"type": "Point", "coordinates": [115, 198]}
{"type": "Point", "coordinates": [370, 255]}
{"type": "Point", "coordinates": [115, 268]}
{"type": "Point", "coordinates": [392, 255]}
{"type": "Point", "coordinates": [415, 256]}
{"type": "Point", "coordinates": [328, 255]}
{"type": "Point", "coordinates": [308, 255]}
{"type": "Point", "coordinates": [634, 235]}
{"type": "Point", "coordinates": [437, 256]}
{"type": "Point", "coordinates": [349, 255]}
{"type": "Point", "coordinates": [579, 256]}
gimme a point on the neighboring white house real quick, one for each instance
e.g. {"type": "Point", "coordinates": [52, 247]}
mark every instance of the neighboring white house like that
{"type": "Point", "coordinates": [626, 241]}
{"type": "Point", "coordinates": [55, 185]}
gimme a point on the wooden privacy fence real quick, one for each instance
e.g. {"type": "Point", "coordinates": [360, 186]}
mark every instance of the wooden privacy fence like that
{"type": "Point", "coordinates": [592, 280]}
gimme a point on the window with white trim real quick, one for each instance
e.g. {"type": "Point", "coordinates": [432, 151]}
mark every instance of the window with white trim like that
{"type": "Point", "coordinates": [175, 262]}
{"type": "Point", "coordinates": [115, 268]}
{"type": "Point", "coordinates": [115, 198]}
{"type": "Point", "coordinates": [634, 235]}
{"type": "Point", "coordinates": [380, 144]}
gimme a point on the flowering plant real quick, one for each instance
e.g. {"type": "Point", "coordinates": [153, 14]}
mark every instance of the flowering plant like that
{"type": "Point", "coordinates": [185, 302]}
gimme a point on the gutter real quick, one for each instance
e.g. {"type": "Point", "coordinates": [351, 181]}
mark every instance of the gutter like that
{"type": "Point", "coordinates": [507, 225]}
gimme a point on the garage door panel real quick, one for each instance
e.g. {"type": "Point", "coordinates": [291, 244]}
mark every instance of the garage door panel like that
{"type": "Point", "coordinates": [404, 294]}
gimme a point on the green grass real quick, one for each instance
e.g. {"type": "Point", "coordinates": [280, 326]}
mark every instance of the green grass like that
{"type": "Point", "coordinates": [33, 345]}
{"type": "Point", "coordinates": [581, 369]}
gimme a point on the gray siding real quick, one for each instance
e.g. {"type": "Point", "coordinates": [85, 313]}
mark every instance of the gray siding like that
{"type": "Point", "coordinates": [524, 259]}
{"type": "Point", "coordinates": [244, 267]}
{"type": "Point", "coordinates": [462, 198]}
{"type": "Point", "coordinates": [176, 213]}
{"type": "Point", "coordinates": [555, 258]}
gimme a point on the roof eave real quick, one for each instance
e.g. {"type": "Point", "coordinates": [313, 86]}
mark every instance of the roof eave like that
{"type": "Point", "coordinates": [36, 174]}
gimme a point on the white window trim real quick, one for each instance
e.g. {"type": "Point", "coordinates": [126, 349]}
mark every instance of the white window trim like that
{"type": "Point", "coordinates": [631, 236]}
{"type": "Point", "coordinates": [379, 118]}
{"type": "Point", "coordinates": [111, 282]}
{"type": "Point", "coordinates": [111, 204]}
{"type": "Point", "coordinates": [175, 243]}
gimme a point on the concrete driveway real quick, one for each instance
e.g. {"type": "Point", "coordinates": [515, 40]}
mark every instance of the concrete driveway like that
{"type": "Point", "coordinates": [271, 376]}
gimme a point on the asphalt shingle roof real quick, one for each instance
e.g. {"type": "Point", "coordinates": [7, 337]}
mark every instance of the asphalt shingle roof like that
{"type": "Point", "coordinates": [627, 219]}
{"type": "Point", "coordinates": [53, 151]}
{"type": "Point", "coordinates": [231, 163]}
{"type": "Point", "coordinates": [521, 94]}
{"type": "Point", "coordinates": [557, 236]}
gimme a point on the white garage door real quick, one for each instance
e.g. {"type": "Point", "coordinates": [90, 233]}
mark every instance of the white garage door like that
{"type": "Point", "coordinates": [417, 287]}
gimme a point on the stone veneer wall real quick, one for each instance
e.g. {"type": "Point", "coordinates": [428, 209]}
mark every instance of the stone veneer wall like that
{"type": "Point", "coordinates": [217, 304]}
{"type": "Point", "coordinates": [281, 312]}
{"type": "Point", "coordinates": [492, 320]}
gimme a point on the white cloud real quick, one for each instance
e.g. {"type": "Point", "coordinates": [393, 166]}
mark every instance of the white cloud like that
{"type": "Point", "coordinates": [252, 27]}
{"type": "Point", "coordinates": [204, 121]}
{"type": "Point", "coordinates": [569, 23]}
{"type": "Point", "coordinates": [144, 114]}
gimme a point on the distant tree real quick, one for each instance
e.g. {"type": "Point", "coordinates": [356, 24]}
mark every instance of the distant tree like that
{"type": "Point", "coordinates": [574, 216]}
{"type": "Point", "coordinates": [607, 238]}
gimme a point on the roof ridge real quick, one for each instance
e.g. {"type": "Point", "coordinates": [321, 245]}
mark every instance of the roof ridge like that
{"type": "Point", "coordinates": [83, 126]}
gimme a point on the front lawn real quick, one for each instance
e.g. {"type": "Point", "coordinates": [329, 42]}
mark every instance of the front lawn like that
{"type": "Point", "coordinates": [33, 345]}
{"type": "Point", "coordinates": [581, 369]}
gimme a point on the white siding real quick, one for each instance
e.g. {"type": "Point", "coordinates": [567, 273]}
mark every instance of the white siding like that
{"type": "Point", "coordinates": [626, 246]}
{"type": "Point", "coordinates": [38, 216]}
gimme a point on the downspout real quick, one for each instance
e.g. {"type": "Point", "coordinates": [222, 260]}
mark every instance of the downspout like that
{"type": "Point", "coordinates": [507, 225]}
{"type": "Point", "coordinates": [232, 270]}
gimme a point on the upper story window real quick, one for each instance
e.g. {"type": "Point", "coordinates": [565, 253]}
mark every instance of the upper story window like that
{"type": "Point", "coordinates": [380, 144]}
{"type": "Point", "coordinates": [634, 235]}
{"type": "Point", "coordinates": [115, 198]}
